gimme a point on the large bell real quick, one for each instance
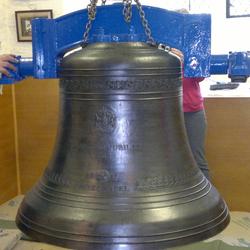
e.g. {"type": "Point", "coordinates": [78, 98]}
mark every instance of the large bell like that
{"type": "Point", "coordinates": [122, 175]}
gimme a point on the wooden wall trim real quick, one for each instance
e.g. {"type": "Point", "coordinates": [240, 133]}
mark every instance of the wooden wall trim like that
{"type": "Point", "coordinates": [8, 185]}
{"type": "Point", "coordinates": [228, 149]}
{"type": "Point", "coordinates": [16, 140]}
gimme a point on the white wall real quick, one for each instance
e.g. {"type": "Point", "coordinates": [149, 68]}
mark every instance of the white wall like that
{"type": "Point", "coordinates": [8, 37]}
{"type": "Point", "coordinates": [228, 34]}
{"type": "Point", "coordinates": [170, 4]}
{"type": "Point", "coordinates": [78, 5]}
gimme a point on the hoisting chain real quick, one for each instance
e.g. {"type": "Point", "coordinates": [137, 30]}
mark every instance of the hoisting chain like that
{"type": "Point", "coordinates": [145, 23]}
{"type": "Point", "coordinates": [127, 12]}
{"type": "Point", "coordinates": [91, 7]}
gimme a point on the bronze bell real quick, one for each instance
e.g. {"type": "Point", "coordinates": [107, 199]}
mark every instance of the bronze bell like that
{"type": "Point", "coordinates": [122, 175]}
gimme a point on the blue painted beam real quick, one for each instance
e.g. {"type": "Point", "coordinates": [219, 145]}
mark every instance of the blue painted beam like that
{"type": "Point", "coordinates": [236, 65]}
{"type": "Point", "coordinates": [219, 64]}
{"type": "Point", "coordinates": [187, 32]}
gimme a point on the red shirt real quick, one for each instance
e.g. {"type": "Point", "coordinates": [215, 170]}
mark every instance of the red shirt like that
{"type": "Point", "coordinates": [192, 99]}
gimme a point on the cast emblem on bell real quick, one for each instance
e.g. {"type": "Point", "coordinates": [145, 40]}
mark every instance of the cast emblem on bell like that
{"type": "Point", "coordinates": [105, 119]}
{"type": "Point", "coordinates": [122, 175]}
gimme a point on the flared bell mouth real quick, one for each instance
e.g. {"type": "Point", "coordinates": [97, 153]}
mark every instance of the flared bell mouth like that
{"type": "Point", "coordinates": [167, 225]}
{"type": "Point", "coordinates": [140, 242]}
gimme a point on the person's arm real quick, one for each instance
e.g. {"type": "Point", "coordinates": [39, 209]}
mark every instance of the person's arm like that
{"type": "Point", "coordinates": [6, 63]}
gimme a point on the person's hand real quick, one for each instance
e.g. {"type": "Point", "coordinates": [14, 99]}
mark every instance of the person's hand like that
{"type": "Point", "coordinates": [178, 53]}
{"type": "Point", "coordinates": [6, 63]}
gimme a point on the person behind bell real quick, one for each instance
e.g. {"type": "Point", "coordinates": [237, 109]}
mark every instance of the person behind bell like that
{"type": "Point", "coordinates": [194, 117]}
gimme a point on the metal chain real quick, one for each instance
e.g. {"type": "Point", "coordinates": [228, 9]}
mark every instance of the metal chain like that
{"type": "Point", "coordinates": [127, 10]}
{"type": "Point", "coordinates": [91, 16]}
{"type": "Point", "coordinates": [145, 23]}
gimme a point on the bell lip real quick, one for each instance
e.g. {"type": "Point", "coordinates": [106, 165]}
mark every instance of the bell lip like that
{"type": "Point", "coordinates": [74, 239]}
{"type": "Point", "coordinates": [157, 244]}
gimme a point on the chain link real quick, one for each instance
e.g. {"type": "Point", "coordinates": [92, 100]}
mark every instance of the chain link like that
{"type": "Point", "coordinates": [91, 16]}
{"type": "Point", "coordinates": [145, 23]}
{"type": "Point", "coordinates": [92, 9]}
{"type": "Point", "coordinates": [127, 10]}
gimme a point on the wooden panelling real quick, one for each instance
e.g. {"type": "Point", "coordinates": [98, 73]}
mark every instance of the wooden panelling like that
{"type": "Point", "coordinates": [8, 178]}
{"type": "Point", "coordinates": [37, 115]}
{"type": "Point", "coordinates": [228, 149]}
{"type": "Point", "coordinates": [228, 138]}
